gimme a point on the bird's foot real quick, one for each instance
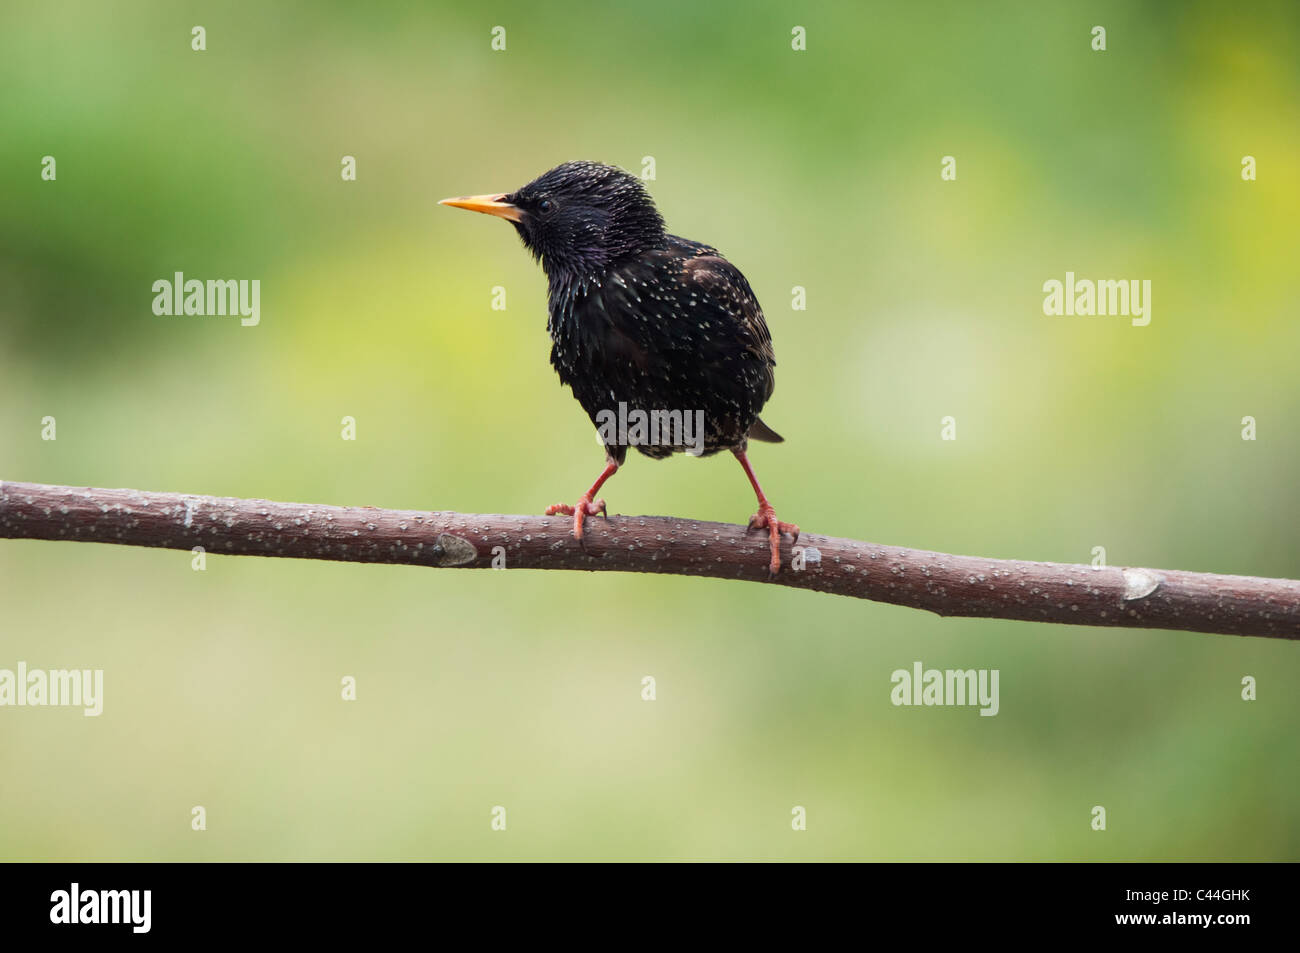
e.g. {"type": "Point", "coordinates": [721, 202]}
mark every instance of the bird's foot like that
{"type": "Point", "coordinates": [580, 511]}
{"type": "Point", "coordinates": [765, 518]}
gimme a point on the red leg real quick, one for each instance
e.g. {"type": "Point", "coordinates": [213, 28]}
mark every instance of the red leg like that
{"type": "Point", "coordinates": [585, 505]}
{"type": "Point", "coordinates": [765, 518]}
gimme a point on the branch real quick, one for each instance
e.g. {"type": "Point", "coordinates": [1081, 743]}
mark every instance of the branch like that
{"type": "Point", "coordinates": [945, 584]}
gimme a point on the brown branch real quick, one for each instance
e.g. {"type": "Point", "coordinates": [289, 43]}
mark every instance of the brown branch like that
{"type": "Point", "coordinates": [942, 583]}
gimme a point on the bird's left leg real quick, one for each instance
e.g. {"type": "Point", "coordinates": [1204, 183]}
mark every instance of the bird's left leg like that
{"type": "Point", "coordinates": [765, 518]}
{"type": "Point", "coordinates": [587, 504]}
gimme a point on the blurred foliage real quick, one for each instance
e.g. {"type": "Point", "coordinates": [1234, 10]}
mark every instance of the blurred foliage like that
{"type": "Point", "coordinates": [818, 169]}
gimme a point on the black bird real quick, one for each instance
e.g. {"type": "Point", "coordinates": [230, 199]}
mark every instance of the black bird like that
{"type": "Point", "coordinates": [645, 321]}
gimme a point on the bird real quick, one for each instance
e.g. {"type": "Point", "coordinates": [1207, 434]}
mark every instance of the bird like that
{"type": "Point", "coordinates": [643, 322]}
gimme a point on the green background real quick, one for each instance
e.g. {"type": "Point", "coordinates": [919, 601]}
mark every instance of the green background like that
{"type": "Point", "coordinates": [522, 689]}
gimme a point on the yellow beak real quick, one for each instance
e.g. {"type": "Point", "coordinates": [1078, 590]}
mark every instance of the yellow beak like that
{"type": "Point", "coordinates": [488, 205]}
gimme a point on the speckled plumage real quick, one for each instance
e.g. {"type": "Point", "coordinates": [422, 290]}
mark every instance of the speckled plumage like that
{"type": "Point", "coordinates": [642, 321]}
{"type": "Point", "coordinates": [676, 328]}
{"type": "Point", "coordinates": [641, 317]}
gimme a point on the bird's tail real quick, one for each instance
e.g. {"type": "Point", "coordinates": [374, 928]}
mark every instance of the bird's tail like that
{"type": "Point", "coordinates": [761, 431]}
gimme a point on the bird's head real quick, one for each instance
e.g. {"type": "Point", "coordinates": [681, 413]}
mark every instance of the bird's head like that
{"type": "Point", "coordinates": [578, 218]}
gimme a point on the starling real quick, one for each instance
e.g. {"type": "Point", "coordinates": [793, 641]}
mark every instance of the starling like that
{"type": "Point", "coordinates": [643, 322]}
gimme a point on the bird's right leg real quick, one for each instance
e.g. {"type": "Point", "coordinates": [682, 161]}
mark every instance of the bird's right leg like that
{"type": "Point", "coordinates": [765, 518]}
{"type": "Point", "coordinates": [587, 504]}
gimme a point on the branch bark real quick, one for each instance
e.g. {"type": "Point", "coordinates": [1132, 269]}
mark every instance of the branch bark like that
{"type": "Point", "coordinates": [942, 583]}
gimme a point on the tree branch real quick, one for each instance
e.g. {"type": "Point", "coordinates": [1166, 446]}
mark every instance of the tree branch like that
{"type": "Point", "coordinates": [939, 582]}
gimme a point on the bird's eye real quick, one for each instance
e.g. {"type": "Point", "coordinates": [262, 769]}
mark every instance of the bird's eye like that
{"type": "Point", "coordinates": [546, 205]}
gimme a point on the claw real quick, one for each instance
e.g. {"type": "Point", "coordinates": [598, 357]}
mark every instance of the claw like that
{"type": "Point", "coordinates": [580, 511]}
{"type": "Point", "coordinates": [585, 506]}
{"type": "Point", "coordinates": [765, 518]}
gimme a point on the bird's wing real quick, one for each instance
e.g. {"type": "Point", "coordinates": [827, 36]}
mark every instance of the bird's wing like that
{"type": "Point", "coordinates": [683, 325]}
{"type": "Point", "coordinates": [725, 292]}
